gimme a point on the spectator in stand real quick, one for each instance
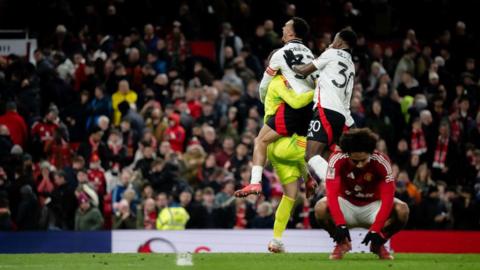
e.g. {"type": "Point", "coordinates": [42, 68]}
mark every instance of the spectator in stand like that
{"type": "Point", "coordinates": [225, 203]}
{"type": "Point", "coordinates": [176, 45]}
{"type": "Point", "coordinates": [444, 155]}
{"type": "Point", "coordinates": [100, 105]}
{"type": "Point", "coordinates": [149, 37]}
{"type": "Point", "coordinates": [6, 144]}
{"type": "Point", "coordinates": [264, 218]}
{"type": "Point", "coordinates": [204, 215]}
{"type": "Point", "coordinates": [44, 183]}
{"type": "Point", "coordinates": [43, 131]}
{"type": "Point", "coordinates": [130, 115]}
{"type": "Point", "coordinates": [125, 183]}
{"type": "Point", "coordinates": [15, 124]}
{"type": "Point", "coordinates": [94, 146]}
{"type": "Point", "coordinates": [380, 123]}
{"type": "Point", "coordinates": [145, 163]}
{"type": "Point", "coordinates": [226, 153]}
{"type": "Point", "coordinates": [175, 133]}
{"type": "Point", "coordinates": [422, 179]}
{"type": "Point", "coordinates": [147, 215]}
{"type": "Point", "coordinates": [123, 94]}
{"type": "Point", "coordinates": [240, 159]}
{"type": "Point", "coordinates": [406, 64]}
{"type": "Point", "coordinates": [228, 38]}
{"type": "Point", "coordinates": [88, 217]}
{"type": "Point", "coordinates": [28, 212]}
{"type": "Point", "coordinates": [124, 218]}
{"type": "Point", "coordinates": [63, 204]}
{"type": "Point", "coordinates": [172, 218]}
{"type": "Point", "coordinates": [6, 223]}
{"type": "Point", "coordinates": [96, 177]}
{"type": "Point", "coordinates": [58, 150]}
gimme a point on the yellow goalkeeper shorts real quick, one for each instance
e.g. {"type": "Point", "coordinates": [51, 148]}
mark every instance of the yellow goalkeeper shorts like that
{"type": "Point", "coordinates": [287, 156]}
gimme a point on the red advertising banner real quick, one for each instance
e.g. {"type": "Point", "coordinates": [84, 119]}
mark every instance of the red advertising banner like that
{"type": "Point", "coordinates": [436, 242]}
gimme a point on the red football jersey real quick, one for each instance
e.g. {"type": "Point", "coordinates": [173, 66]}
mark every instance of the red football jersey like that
{"type": "Point", "coordinates": [97, 178]}
{"type": "Point", "coordinates": [360, 186]}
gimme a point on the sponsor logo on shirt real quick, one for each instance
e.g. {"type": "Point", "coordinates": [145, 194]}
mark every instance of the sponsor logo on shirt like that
{"type": "Point", "coordinates": [368, 177]}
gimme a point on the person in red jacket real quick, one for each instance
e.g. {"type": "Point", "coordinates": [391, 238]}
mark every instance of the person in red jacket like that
{"type": "Point", "coordinates": [96, 176]}
{"type": "Point", "coordinates": [44, 129]}
{"type": "Point", "coordinates": [15, 124]}
{"type": "Point", "coordinates": [175, 133]}
{"type": "Point", "coordinates": [360, 193]}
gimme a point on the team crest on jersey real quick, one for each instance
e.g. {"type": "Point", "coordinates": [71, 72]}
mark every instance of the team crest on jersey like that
{"type": "Point", "coordinates": [368, 177]}
{"type": "Point", "coordinates": [331, 172]}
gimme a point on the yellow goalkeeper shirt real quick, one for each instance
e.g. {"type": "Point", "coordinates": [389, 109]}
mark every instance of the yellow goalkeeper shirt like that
{"type": "Point", "coordinates": [279, 91]}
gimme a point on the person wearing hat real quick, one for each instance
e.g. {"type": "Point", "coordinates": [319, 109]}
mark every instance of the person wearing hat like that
{"type": "Point", "coordinates": [87, 217]}
{"type": "Point", "coordinates": [96, 176]}
{"type": "Point", "coordinates": [175, 133]}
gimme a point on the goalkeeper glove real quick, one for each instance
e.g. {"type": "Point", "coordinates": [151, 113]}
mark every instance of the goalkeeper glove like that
{"type": "Point", "coordinates": [291, 59]}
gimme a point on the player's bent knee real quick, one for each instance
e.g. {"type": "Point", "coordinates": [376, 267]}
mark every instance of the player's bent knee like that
{"type": "Point", "coordinates": [321, 209]}
{"type": "Point", "coordinates": [402, 210]}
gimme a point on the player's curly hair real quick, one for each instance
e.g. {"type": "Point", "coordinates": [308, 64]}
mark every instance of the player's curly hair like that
{"type": "Point", "coordinates": [301, 28]}
{"type": "Point", "coordinates": [359, 140]}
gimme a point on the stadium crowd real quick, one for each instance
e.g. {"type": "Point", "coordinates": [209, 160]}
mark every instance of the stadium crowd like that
{"type": "Point", "coordinates": [119, 127]}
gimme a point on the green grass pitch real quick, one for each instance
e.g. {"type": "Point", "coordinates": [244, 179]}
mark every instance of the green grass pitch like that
{"type": "Point", "coordinates": [244, 261]}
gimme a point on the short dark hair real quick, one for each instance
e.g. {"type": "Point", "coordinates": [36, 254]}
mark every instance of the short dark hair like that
{"type": "Point", "coordinates": [11, 106]}
{"type": "Point", "coordinates": [359, 140]}
{"type": "Point", "coordinates": [301, 28]}
{"type": "Point", "coordinates": [349, 37]}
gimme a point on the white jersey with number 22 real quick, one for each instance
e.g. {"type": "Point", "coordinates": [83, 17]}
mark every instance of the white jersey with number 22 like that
{"type": "Point", "coordinates": [299, 84]}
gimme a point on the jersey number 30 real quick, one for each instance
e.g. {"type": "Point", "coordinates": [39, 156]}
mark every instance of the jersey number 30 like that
{"type": "Point", "coordinates": [346, 80]}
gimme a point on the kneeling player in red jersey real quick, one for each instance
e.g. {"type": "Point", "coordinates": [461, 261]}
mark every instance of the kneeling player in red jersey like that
{"type": "Point", "coordinates": [360, 193]}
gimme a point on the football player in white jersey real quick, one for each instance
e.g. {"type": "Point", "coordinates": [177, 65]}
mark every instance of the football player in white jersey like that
{"type": "Point", "coordinates": [332, 99]}
{"type": "Point", "coordinates": [285, 120]}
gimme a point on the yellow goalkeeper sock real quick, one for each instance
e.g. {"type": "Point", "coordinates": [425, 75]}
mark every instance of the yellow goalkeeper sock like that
{"type": "Point", "coordinates": [282, 216]}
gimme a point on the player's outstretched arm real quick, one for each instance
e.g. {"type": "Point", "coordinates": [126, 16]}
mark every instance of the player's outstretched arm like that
{"type": "Point", "coordinates": [305, 69]}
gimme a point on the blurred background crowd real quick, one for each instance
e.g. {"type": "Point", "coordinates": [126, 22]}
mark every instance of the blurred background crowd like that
{"type": "Point", "coordinates": [142, 114]}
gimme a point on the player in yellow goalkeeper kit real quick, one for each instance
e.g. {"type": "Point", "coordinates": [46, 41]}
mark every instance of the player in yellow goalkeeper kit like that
{"type": "Point", "coordinates": [286, 154]}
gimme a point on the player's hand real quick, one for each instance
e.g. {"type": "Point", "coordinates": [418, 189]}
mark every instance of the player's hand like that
{"type": "Point", "coordinates": [374, 237]}
{"type": "Point", "coordinates": [291, 59]}
{"type": "Point", "coordinates": [341, 233]}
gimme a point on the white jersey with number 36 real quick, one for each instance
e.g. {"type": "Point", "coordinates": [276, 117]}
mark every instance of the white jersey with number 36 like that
{"type": "Point", "coordinates": [277, 63]}
{"type": "Point", "coordinates": [335, 84]}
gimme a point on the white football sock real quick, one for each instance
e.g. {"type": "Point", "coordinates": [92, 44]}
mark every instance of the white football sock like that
{"type": "Point", "coordinates": [257, 172]}
{"type": "Point", "coordinates": [319, 166]}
